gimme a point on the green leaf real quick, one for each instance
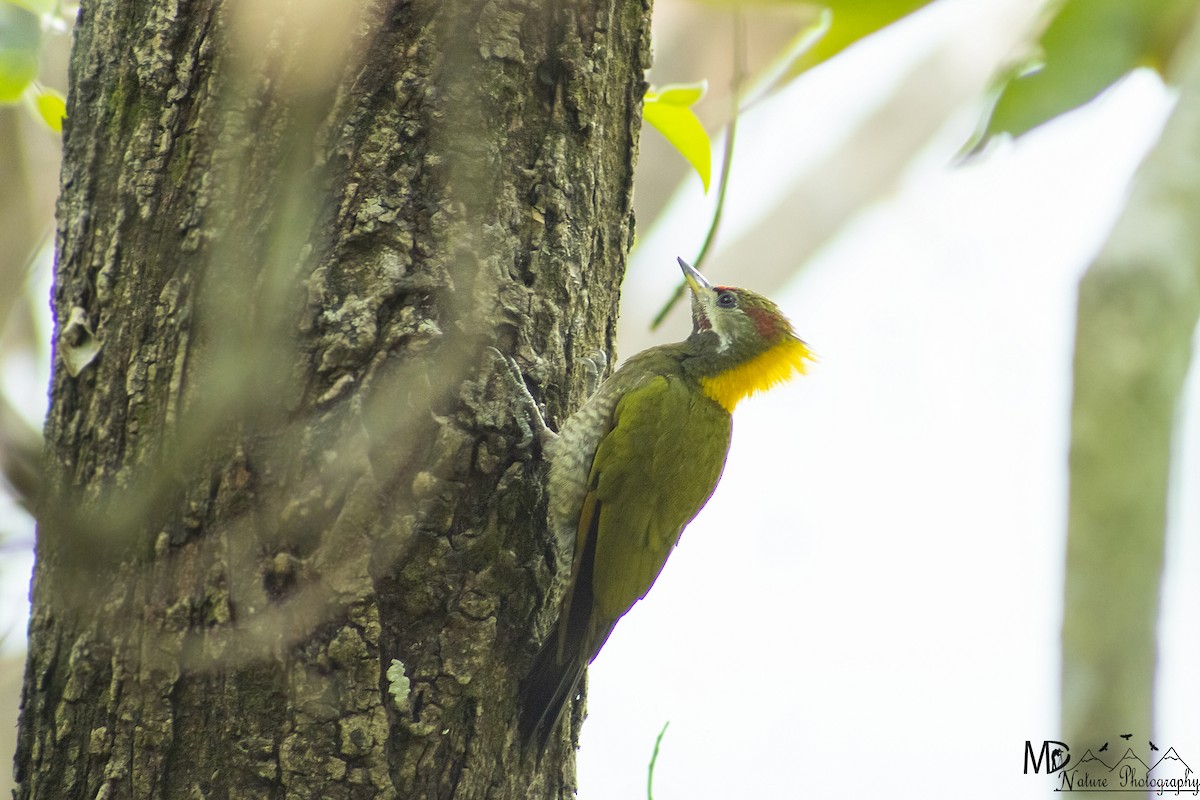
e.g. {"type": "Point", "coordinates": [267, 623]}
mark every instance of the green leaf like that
{"type": "Point", "coordinates": [20, 43]}
{"type": "Point", "coordinates": [38, 7]}
{"type": "Point", "coordinates": [731, 4]}
{"type": "Point", "coordinates": [669, 110]}
{"type": "Point", "coordinates": [679, 94]}
{"type": "Point", "coordinates": [50, 105]}
{"type": "Point", "coordinates": [1087, 47]}
{"type": "Point", "coordinates": [852, 20]}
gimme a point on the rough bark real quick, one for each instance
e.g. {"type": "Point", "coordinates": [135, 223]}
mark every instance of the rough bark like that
{"type": "Point", "coordinates": [1138, 307]}
{"type": "Point", "coordinates": [280, 452]}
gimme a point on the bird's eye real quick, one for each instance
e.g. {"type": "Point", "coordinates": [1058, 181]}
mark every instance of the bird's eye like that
{"type": "Point", "coordinates": [727, 300]}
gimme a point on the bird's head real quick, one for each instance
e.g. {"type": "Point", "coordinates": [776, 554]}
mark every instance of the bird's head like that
{"type": "Point", "coordinates": [745, 341]}
{"type": "Point", "coordinates": [733, 319]}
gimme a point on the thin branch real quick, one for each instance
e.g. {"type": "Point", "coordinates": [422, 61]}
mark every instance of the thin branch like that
{"type": "Point", "coordinates": [739, 77]}
{"type": "Point", "coordinates": [654, 760]}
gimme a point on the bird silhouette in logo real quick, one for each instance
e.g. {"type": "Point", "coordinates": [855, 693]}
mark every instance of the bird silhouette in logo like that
{"type": "Point", "coordinates": [1102, 749]}
{"type": "Point", "coordinates": [1126, 736]}
{"type": "Point", "coordinates": [1152, 747]}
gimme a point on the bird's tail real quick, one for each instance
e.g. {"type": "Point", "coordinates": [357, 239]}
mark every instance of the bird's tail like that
{"type": "Point", "coordinates": [552, 683]}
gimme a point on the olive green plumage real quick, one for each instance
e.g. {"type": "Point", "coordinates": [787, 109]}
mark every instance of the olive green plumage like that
{"type": "Point", "coordinates": [634, 466]}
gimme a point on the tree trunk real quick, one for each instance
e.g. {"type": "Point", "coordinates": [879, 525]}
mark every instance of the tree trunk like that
{"type": "Point", "coordinates": [1138, 307]}
{"type": "Point", "coordinates": [293, 539]}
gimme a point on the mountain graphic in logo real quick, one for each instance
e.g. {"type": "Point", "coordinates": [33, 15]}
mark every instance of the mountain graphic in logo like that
{"type": "Point", "coordinates": [1091, 772]}
{"type": "Point", "coordinates": [1130, 764]}
{"type": "Point", "coordinates": [1095, 772]}
{"type": "Point", "coordinates": [1093, 762]}
{"type": "Point", "coordinates": [1171, 766]}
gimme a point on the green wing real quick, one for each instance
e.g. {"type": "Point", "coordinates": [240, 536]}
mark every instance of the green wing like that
{"type": "Point", "coordinates": [653, 472]}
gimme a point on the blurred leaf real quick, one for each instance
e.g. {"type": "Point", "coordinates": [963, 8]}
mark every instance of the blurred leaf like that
{"type": "Point", "coordinates": [852, 20]}
{"type": "Point", "coordinates": [51, 107]}
{"type": "Point", "coordinates": [38, 7]}
{"type": "Point", "coordinates": [669, 111]}
{"type": "Point", "coordinates": [777, 71]}
{"type": "Point", "coordinates": [1088, 46]}
{"type": "Point", "coordinates": [732, 4]}
{"type": "Point", "coordinates": [842, 23]}
{"type": "Point", "coordinates": [20, 42]}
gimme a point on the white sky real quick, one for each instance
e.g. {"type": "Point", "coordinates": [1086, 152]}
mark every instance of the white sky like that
{"type": "Point", "coordinates": [881, 565]}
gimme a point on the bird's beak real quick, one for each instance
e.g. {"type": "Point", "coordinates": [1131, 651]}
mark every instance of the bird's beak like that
{"type": "Point", "coordinates": [703, 296]}
{"type": "Point", "coordinates": [695, 280]}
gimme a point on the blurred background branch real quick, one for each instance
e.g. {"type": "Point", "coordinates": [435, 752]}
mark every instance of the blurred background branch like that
{"type": "Point", "coordinates": [1138, 307]}
{"type": "Point", "coordinates": [20, 456]}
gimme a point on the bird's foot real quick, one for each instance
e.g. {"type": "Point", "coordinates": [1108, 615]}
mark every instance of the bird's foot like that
{"type": "Point", "coordinates": [532, 423]}
{"type": "Point", "coordinates": [595, 365]}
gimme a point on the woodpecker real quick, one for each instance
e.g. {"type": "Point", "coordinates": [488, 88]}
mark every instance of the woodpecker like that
{"type": "Point", "coordinates": [635, 464]}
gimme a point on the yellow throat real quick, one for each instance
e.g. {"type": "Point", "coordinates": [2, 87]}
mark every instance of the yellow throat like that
{"type": "Point", "coordinates": [776, 365]}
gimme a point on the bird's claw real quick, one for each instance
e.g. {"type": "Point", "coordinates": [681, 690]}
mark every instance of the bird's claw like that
{"type": "Point", "coordinates": [533, 425]}
{"type": "Point", "coordinates": [595, 365]}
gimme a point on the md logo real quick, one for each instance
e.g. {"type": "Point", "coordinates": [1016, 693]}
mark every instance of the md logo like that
{"type": "Point", "coordinates": [1053, 759]}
